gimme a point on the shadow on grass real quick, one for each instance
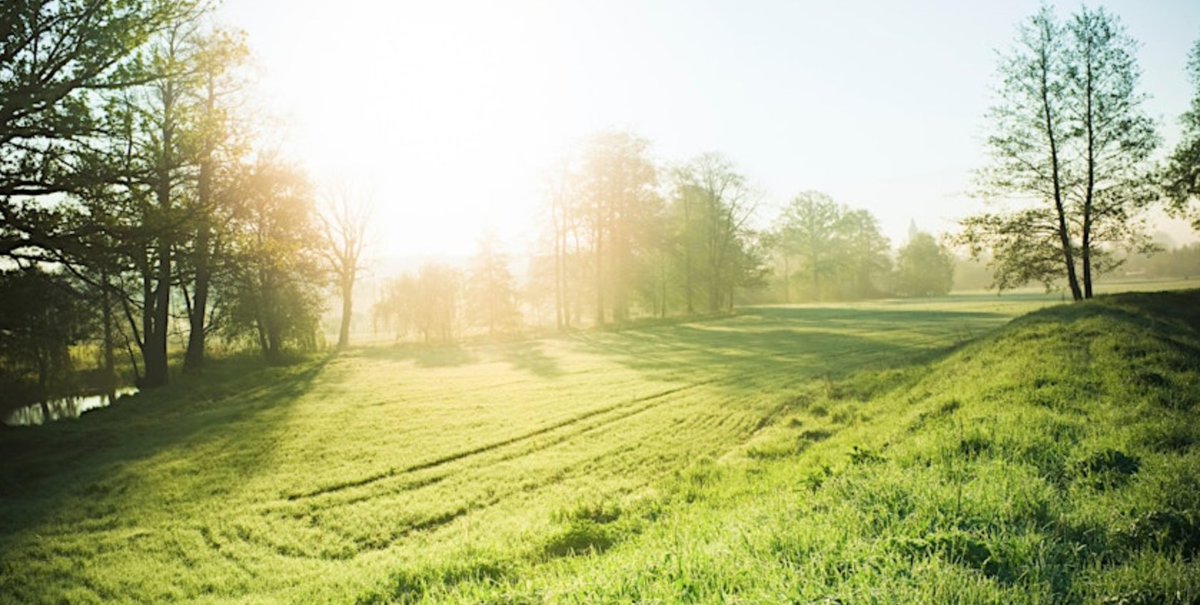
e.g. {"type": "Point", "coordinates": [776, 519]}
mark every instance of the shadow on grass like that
{"type": "Point", "coordinates": [424, 356]}
{"type": "Point", "coordinates": [241, 400]}
{"type": "Point", "coordinates": [800, 341]}
{"type": "Point", "coordinates": [529, 356]}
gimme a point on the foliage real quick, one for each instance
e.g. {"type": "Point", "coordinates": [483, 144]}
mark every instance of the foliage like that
{"type": "Point", "coordinates": [833, 251]}
{"type": "Point", "coordinates": [924, 268]}
{"type": "Point", "coordinates": [1181, 177]}
{"type": "Point", "coordinates": [714, 248]}
{"type": "Point", "coordinates": [1070, 138]}
{"type": "Point", "coordinates": [274, 289]}
{"type": "Point", "coordinates": [491, 288]}
{"type": "Point", "coordinates": [41, 316]}
{"type": "Point", "coordinates": [427, 303]}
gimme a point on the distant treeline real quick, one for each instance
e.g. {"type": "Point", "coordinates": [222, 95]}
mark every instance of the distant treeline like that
{"type": "Point", "coordinates": [1182, 262]}
{"type": "Point", "coordinates": [144, 207]}
{"type": "Point", "coordinates": [626, 238]}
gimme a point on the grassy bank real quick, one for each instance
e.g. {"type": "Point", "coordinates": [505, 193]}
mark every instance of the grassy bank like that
{"type": "Point", "coordinates": [861, 453]}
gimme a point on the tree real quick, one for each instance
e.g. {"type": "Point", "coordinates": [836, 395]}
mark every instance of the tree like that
{"type": "Point", "coordinates": [345, 219]}
{"type": "Point", "coordinates": [712, 205]}
{"type": "Point", "coordinates": [1070, 137]}
{"type": "Point", "coordinates": [490, 288]}
{"type": "Point", "coordinates": [808, 231]}
{"type": "Point", "coordinates": [216, 140]}
{"type": "Point", "coordinates": [863, 254]}
{"type": "Point", "coordinates": [275, 288]}
{"type": "Point", "coordinates": [436, 302]}
{"type": "Point", "coordinates": [1116, 138]}
{"type": "Point", "coordinates": [56, 57]}
{"type": "Point", "coordinates": [41, 315]}
{"type": "Point", "coordinates": [615, 184]}
{"type": "Point", "coordinates": [396, 307]}
{"type": "Point", "coordinates": [1181, 178]}
{"type": "Point", "coordinates": [924, 268]}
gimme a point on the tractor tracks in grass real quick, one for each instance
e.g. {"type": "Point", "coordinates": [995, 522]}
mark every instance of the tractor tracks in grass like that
{"type": "Point", "coordinates": [496, 445]}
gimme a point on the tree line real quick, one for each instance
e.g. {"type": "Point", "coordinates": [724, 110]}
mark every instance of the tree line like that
{"type": "Point", "coordinates": [627, 237]}
{"type": "Point", "coordinates": [141, 202]}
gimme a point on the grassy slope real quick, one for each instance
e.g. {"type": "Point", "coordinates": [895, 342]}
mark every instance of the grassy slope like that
{"type": "Point", "coordinates": [1055, 461]}
{"type": "Point", "coordinates": [717, 461]}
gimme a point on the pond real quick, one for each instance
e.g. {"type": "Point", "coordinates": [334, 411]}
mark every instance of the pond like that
{"type": "Point", "coordinates": [67, 407]}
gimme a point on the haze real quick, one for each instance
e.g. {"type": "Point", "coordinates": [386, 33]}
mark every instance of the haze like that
{"type": "Point", "coordinates": [450, 111]}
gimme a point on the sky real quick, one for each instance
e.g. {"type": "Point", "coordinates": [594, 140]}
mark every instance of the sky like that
{"type": "Point", "coordinates": [448, 113]}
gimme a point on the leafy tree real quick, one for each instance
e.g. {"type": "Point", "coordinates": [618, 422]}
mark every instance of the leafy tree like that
{"type": "Point", "coordinates": [217, 141]}
{"type": "Point", "coordinates": [41, 315]}
{"type": "Point", "coordinates": [924, 268]}
{"type": "Point", "coordinates": [56, 55]}
{"type": "Point", "coordinates": [1182, 175]}
{"type": "Point", "coordinates": [491, 288]}
{"type": "Point", "coordinates": [1069, 136]}
{"type": "Point", "coordinates": [275, 289]}
{"type": "Point", "coordinates": [615, 184]}
{"type": "Point", "coordinates": [863, 253]}
{"type": "Point", "coordinates": [436, 302]}
{"type": "Point", "coordinates": [712, 205]}
{"type": "Point", "coordinates": [396, 308]}
{"type": "Point", "coordinates": [807, 231]}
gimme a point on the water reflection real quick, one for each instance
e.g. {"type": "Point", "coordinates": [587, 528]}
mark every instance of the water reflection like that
{"type": "Point", "coordinates": [58, 409]}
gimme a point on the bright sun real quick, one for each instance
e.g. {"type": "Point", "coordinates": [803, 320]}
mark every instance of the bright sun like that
{"type": "Point", "coordinates": [447, 120]}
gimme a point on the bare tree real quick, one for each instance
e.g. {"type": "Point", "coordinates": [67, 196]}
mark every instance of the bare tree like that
{"type": "Point", "coordinates": [345, 217]}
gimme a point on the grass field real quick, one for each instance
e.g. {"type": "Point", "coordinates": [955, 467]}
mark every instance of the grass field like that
{"type": "Point", "coordinates": [881, 452]}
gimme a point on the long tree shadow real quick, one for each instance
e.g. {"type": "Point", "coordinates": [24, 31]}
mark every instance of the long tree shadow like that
{"type": "Point", "coordinates": [528, 355]}
{"type": "Point", "coordinates": [760, 343]}
{"type": "Point", "coordinates": [424, 356]}
{"type": "Point", "coordinates": [45, 468]}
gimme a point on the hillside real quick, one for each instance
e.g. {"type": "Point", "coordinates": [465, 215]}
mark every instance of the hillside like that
{"type": "Point", "coordinates": [871, 453]}
{"type": "Point", "coordinates": [1054, 461]}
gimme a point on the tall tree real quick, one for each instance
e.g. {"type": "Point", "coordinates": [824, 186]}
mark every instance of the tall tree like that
{"type": "Point", "coordinates": [1182, 175]}
{"type": "Point", "coordinates": [491, 288]}
{"type": "Point", "coordinates": [808, 231]}
{"type": "Point", "coordinates": [345, 221]}
{"type": "Point", "coordinates": [1070, 137]}
{"type": "Point", "coordinates": [275, 288]}
{"type": "Point", "coordinates": [924, 268]}
{"type": "Point", "coordinates": [863, 254]}
{"type": "Point", "coordinates": [217, 141]}
{"type": "Point", "coordinates": [160, 114]}
{"type": "Point", "coordinates": [616, 184]}
{"type": "Point", "coordinates": [1030, 132]}
{"type": "Point", "coordinates": [1115, 135]}
{"type": "Point", "coordinates": [715, 203]}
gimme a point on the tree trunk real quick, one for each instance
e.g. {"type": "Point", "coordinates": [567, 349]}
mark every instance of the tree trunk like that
{"type": "Point", "coordinates": [110, 362]}
{"type": "Point", "coordinates": [1064, 235]}
{"type": "Point", "coordinates": [347, 311]}
{"type": "Point", "coordinates": [1089, 194]}
{"type": "Point", "coordinates": [155, 351]}
{"type": "Point", "coordinates": [193, 358]}
{"type": "Point", "coordinates": [787, 283]}
{"type": "Point", "coordinates": [599, 245]}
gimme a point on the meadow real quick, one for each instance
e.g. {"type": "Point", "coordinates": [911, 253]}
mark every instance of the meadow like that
{"type": "Point", "coordinates": [894, 451]}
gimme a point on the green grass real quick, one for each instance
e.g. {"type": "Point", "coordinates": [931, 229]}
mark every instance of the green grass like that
{"type": "Point", "coordinates": [879, 452]}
